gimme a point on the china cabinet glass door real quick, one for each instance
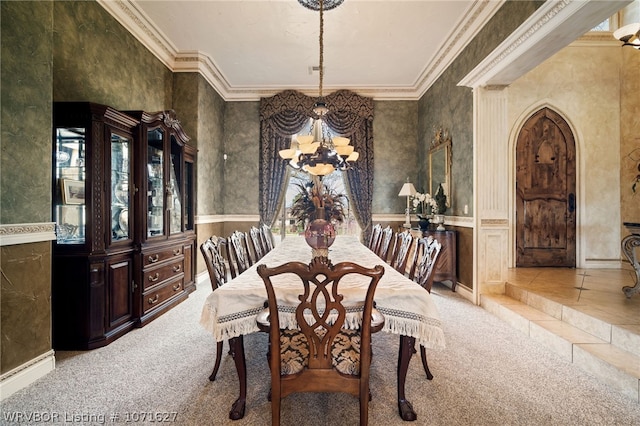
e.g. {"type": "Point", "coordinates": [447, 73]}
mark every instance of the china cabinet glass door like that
{"type": "Point", "coordinates": [155, 183]}
{"type": "Point", "coordinates": [175, 188]}
{"type": "Point", "coordinates": [70, 176]}
{"type": "Point", "coordinates": [121, 176]}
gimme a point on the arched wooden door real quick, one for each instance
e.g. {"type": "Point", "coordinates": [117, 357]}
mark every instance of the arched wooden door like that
{"type": "Point", "coordinates": [545, 192]}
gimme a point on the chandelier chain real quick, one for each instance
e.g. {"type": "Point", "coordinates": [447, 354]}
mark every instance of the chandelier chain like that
{"type": "Point", "coordinates": [321, 65]}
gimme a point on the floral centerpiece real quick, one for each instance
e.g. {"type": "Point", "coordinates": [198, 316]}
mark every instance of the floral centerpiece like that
{"type": "Point", "coordinates": [424, 205]}
{"type": "Point", "coordinates": [316, 200]}
{"type": "Point", "coordinates": [318, 207]}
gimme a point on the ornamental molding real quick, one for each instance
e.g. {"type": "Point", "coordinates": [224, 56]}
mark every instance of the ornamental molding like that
{"type": "Point", "coordinates": [494, 222]}
{"type": "Point", "coordinates": [142, 28]}
{"type": "Point", "coordinates": [552, 27]}
{"type": "Point", "coordinates": [22, 233]}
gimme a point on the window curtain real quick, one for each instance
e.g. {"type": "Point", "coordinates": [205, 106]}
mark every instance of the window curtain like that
{"type": "Point", "coordinates": [286, 113]}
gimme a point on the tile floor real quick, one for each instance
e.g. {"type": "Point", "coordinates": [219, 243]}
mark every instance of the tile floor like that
{"type": "Point", "coordinates": [582, 315]}
{"type": "Point", "coordinates": [595, 292]}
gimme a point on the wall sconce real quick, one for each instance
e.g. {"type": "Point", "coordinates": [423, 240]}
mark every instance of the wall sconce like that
{"type": "Point", "coordinates": [407, 190]}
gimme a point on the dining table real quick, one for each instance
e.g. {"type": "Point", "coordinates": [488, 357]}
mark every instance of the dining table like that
{"type": "Point", "coordinates": [230, 312]}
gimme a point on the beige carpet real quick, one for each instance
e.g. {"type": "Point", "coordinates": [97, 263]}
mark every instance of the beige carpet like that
{"type": "Point", "coordinates": [489, 374]}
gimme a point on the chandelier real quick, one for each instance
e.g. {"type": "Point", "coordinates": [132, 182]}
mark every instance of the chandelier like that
{"type": "Point", "coordinates": [318, 153]}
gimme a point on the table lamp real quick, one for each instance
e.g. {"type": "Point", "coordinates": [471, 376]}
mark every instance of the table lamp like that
{"type": "Point", "coordinates": [407, 190]}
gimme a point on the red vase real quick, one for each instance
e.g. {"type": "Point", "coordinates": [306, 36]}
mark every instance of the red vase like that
{"type": "Point", "coordinates": [320, 234]}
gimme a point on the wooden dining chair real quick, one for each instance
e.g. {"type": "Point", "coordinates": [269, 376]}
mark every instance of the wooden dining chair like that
{"type": "Point", "coordinates": [403, 243]}
{"type": "Point", "coordinates": [374, 241]}
{"type": "Point", "coordinates": [238, 253]}
{"type": "Point", "coordinates": [267, 237]}
{"type": "Point", "coordinates": [322, 354]}
{"type": "Point", "coordinates": [212, 251]}
{"type": "Point", "coordinates": [385, 247]}
{"type": "Point", "coordinates": [427, 251]}
{"type": "Point", "coordinates": [257, 244]}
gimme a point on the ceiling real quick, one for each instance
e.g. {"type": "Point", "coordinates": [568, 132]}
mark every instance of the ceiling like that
{"type": "Point", "coordinates": [252, 48]}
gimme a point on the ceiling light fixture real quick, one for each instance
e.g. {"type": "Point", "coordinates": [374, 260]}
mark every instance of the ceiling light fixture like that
{"type": "Point", "coordinates": [629, 32]}
{"type": "Point", "coordinates": [629, 35]}
{"type": "Point", "coordinates": [318, 153]}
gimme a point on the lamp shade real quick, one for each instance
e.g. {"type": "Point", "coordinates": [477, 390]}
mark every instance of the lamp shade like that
{"type": "Point", "coordinates": [287, 154]}
{"type": "Point", "coordinates": [407, 190]}
{"type": "Point", "coordinates": [340, 141]}
{"type": "Point", "coordinates": [344, 150]}
{"type": "Point", "coordinates": [309, 148]}
{"type": "Point", "coordinates": [303, 139]}
{"type": "Point", "coordinates": [354, 156]}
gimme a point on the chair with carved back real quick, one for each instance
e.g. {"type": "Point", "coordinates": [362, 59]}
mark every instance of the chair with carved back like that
{"type": "Point", "coordinates": [238, 253]}
{"type": "Point", "coordinates": [212, 251]}
{"type": "Point", "coordinates": [385, 248]}
{"type": "Point", "coordinates": [321, 354]}
{"type": "Point", "coordinates": [267, 237]}
{"type": "Point", "coordinates": [404, 242]}
{"type": "Point", "coordinates": [374, 240]}
{"type": "Point", "coordinates": [257, 243]}
{"type": "Point", "coordinates": [426, 256]}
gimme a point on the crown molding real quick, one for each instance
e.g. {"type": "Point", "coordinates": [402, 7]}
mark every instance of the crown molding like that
{"type": "Point", "coordinates": [552, 27]}
{"type": "Point", "coordinates": [144, 30]}
{"type": "Point", "coordinates": [464, 31]}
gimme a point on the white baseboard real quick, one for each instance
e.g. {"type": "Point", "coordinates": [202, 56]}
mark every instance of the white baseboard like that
{"type": "Point", "coordinates": [465, 292]}
{"type": "Point", "coordinates": [602, 264]}
{"type": "Point", "coordinates": [27, 373]}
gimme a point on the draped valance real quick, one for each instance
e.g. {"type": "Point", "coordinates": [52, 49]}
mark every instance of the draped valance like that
{"type": "Point", "coordinates": [286, 113]}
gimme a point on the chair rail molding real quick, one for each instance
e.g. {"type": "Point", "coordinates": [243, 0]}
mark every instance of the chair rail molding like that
{"type": "Point", "coordinates": [22, 233]}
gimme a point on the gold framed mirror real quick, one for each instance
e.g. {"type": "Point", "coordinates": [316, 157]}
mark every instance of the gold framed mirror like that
{"type": "Point", "coordinates": [440, 163]}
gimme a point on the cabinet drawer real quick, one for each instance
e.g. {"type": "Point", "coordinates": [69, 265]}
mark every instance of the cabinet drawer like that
{"type": "Point", "coordinates": [159, 256]}
{"type": "Point", "coordinates": [155, 298]}
{"type": "Point", "coordinates": [155, 276]}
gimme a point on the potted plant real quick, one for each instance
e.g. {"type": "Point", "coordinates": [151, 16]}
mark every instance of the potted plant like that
{"type": "Point", "coordinates": [423, 206]}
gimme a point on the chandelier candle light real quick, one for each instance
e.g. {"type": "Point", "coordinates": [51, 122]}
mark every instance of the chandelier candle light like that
{"type": "Point", "coordinates": [318, 153]}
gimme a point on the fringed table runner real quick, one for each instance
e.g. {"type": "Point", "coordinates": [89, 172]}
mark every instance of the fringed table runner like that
{"type": "Point", "coordinates": [408, 309]}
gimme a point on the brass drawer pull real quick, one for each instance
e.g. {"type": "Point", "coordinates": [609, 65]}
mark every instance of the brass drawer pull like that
{"type": "Point", "coordinates": [154, 278]}
{"type": "Point", "coordinates": [154, 259]}
{"type": "Point", "coordinates": [177, 268]}
{"type": "Point", "coordinates": [176, 287]}
{"type": "Point", "coordinates": [154, 300]}
{"type": "Point", "coordinates": [176, 252]}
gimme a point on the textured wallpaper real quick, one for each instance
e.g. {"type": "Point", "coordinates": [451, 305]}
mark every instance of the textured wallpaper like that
{"type": "Point", "coordinates": [210, 144]}
{"type": "Point", "coordinates": [395, 130]}
{"type": "Point", "coordinates": [242, 146]}
{"type": "Point", "coordinates": [26, 112]}
{"type": "Point", "coordinates": [95, 59]}
{"type": "Point", "coordinates": [449, 106]}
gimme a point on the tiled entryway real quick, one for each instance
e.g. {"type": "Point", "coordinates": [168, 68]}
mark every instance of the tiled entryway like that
{"type": "Point", "coordinates": [582, 315]}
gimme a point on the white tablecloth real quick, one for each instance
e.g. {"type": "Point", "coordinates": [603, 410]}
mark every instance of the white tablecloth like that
{"type": "Point", "coordinates": [231, 310]}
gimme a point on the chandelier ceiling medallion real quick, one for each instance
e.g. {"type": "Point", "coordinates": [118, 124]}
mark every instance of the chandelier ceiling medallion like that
{"type": "Point", "coordinates": [318, 153]}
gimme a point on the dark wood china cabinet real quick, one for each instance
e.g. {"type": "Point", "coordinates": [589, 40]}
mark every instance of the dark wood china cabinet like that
{"type": "Point", "coordinates": [125, 241]}
{"type": "Point", "coordinates": [165, 181]}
